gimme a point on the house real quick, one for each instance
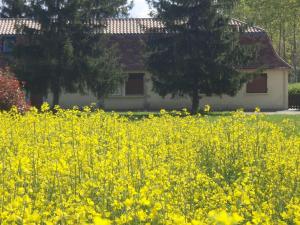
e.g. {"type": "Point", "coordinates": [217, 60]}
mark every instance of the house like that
{"type": "Point", "coordinates": [268, 91]}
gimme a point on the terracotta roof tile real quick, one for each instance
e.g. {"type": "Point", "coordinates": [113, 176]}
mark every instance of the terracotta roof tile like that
{"type": "Point", "coordinates": [113, 26]}
{"type": "Point", "coordinates": [249, 29]}
{"type": "Point", "coordinates": [125, 33]}
{"type": "Point", "coordinates": [10, 26]}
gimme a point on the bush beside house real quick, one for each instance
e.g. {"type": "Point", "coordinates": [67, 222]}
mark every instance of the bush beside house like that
{"type": "Point", "coordinates": [11, 93]}
{"type": "Point", "coordinates": [294, 95]}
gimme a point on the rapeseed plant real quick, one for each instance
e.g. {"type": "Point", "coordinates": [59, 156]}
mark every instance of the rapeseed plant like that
{"type": "Point", "coordinates": [84, 167]}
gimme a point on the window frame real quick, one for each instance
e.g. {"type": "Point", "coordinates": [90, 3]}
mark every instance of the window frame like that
{"type": "Point", "coordinates": [143, 83]}
{"type": "Point", "coordinates": [122, 87]}
{"type": "Point", "coordinates": [266, 89]}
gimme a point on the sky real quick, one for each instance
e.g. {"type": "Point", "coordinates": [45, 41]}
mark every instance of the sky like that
{"type": "Point", "coordinates": [140, 9]}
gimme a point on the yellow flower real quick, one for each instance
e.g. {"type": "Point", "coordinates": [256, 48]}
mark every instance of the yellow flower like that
{"type": "Point", "coordinates": [45, 107]}
{"type": "Point", "coordinates": [207, 108]}
{"type": "Point", "coordinates": [145, 202]}
{"type": "Point", "coordinates": [128, 202]}
{"type": "Point", "coordinates": [257, 110]}
{"type": "Point", "coordinates": [100, 221]}
{"type": "Point", "coordinates": [141, 215]}
{"type": "Point", "coordinates": [80, 167]}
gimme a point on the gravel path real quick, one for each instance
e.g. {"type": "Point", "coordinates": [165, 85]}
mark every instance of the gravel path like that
{"type": "Point", "coordinates": [284, 112]}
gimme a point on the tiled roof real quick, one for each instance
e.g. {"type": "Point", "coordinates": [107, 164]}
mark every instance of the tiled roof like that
{"type": "Point", "coordinates": [113, 26]}
{"type": "Point", "coordinates": [131, 25]}
{"type": "Point", "coordinates": [124, 32]}
{"type": "Point", "coordinates": [140, 25]}
{"type": "Point", "coordinates": [10, 26]}
{"type": "Point", "coordinates": [249, 29]}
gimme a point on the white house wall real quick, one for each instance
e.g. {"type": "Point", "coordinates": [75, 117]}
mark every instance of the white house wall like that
{"type": "Point", "coordinates": [275, 99]}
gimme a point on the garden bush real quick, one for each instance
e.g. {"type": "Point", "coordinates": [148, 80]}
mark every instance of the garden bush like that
{"type": "Point", "coordinates": [294, 88]}
{"type": "Point", "coordinates": [294, 96]}
{"type": "Point", "coordinates": [11, 93]}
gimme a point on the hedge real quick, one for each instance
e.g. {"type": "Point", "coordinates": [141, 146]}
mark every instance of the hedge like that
{"type": "Point", "coordinates": [294, 96]}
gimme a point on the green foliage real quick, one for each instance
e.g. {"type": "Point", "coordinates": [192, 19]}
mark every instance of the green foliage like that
{"type": "Point", "coordinates": [294, 89]}
{"type": "Point", "coordinates": [66, 53]}
{"type": "Point", "coordinates": [13, 8]}
{"type": "Point", "coordinates": [200, 52]}
{"type": "Point", "coordinates": [11, 92]}
{"type": "Point", "coordinates": [280, 18]}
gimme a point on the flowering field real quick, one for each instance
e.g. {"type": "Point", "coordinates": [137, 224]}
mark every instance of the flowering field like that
{"type": "Point", "coordinates": [98, 168]}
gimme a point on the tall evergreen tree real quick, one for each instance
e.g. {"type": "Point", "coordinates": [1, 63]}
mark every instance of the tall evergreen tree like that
{"type": "Point", "coordinates": [199, 52]}
{"type": "Point", "coordinates": [13, 8]}
{"type": "Point", "coordinates": [68, 51]}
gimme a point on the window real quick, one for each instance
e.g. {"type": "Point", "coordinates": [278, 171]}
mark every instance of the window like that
{"type": "Point", "coordinates": [258, 85]}
{"type": "Point", "coordinates": [135, 84]}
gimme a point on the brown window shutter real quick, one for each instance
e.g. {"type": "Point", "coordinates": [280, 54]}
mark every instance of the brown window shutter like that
{"type": "Point", "coordinates": [258, 84]}
{"type": "Point", "coordinates": [135, 84]}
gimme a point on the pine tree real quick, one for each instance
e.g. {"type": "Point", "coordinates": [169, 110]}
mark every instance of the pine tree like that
{"type": "Point", "coordinates": [13, 8]}
{"type": "Point", "coordinates": [199, 52]}
{"type": "Point", "coordinates": [69, 52]}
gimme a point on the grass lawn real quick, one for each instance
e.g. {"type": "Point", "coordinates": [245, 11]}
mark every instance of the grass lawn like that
{"type": "Point", "coordinates": [272, 118]}
{"type": "Point", "coordinates": [279, 118]}
{"type": "Point", "coordinates": [215, 115]}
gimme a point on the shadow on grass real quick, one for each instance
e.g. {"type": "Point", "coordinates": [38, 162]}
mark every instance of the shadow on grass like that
{"type": "Point", "coordinates": [145, 115]}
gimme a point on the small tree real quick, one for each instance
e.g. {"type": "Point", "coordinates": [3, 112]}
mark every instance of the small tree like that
{"type": "Point", "coordinates": [69, 51]}
{"type": "Point", "coordinates": [199, 53]}
{"type": "Point", "coordinates": [11, 93]}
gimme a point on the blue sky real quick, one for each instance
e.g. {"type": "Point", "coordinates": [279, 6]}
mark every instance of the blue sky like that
{"type": "Point", "coordinates": [140, 9]}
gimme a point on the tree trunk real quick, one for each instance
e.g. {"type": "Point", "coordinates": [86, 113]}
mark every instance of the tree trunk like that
{"type": "Point", "coordinates": [55, 86]}
{"type": "Point", "coordinates": [195, 101]}
{"type": "Point", "coordinates": [36, 99]}
{"type": "Point", "coordinates": [55, 100]}
{"type": "Point", "coordinates": [280, 39]}
{"type": "Point", "coordinates": [284, 42]}
{"type": "Point", "coordinates": [56, 92]}
{"type": "Point", "coordinates": [295, 49]}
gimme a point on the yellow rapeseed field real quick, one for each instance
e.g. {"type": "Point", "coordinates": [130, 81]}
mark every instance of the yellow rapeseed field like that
{"type": "Point", "coordinates": [83, 167]}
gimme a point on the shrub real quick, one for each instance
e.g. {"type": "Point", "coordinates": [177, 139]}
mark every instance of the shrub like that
{"type": "Point", "coordinates": [11, 93]}
{"type": "Point", "coordinates": [294, 89]}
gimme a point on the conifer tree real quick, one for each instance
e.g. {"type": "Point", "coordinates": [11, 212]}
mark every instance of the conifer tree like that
{"type": "Point", "coordinates": [68, 51]}
{"type": "Point", "coordinates": [199, 52]}
{"type": "Point", "coordinates": [13, 8]}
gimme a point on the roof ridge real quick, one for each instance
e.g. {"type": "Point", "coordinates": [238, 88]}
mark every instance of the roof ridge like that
{"type": "Point", "coordinates": [1, 18]}
{"type": "Point", "coordinates": [114, 25]}
{"type": "Point", "coordinates": [254, 26]}
{"type": "Point", "coordinates": [133, 18]}
{"type": "Point", "coordinates": [139, 26]}
{"type": "Point", "coordinates": [109, 18]}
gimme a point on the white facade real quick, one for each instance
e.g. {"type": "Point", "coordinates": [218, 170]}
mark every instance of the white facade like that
{"type": "Point", "coordinates": [276, 97]}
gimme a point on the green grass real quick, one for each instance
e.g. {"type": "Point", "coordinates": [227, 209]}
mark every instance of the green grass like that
{"type": "Point", "coordinates": [278, 119]}
{"type": "Point", "coordinates": [271, 118]}
{"type": "Point", "coordinates": [295, 119]}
